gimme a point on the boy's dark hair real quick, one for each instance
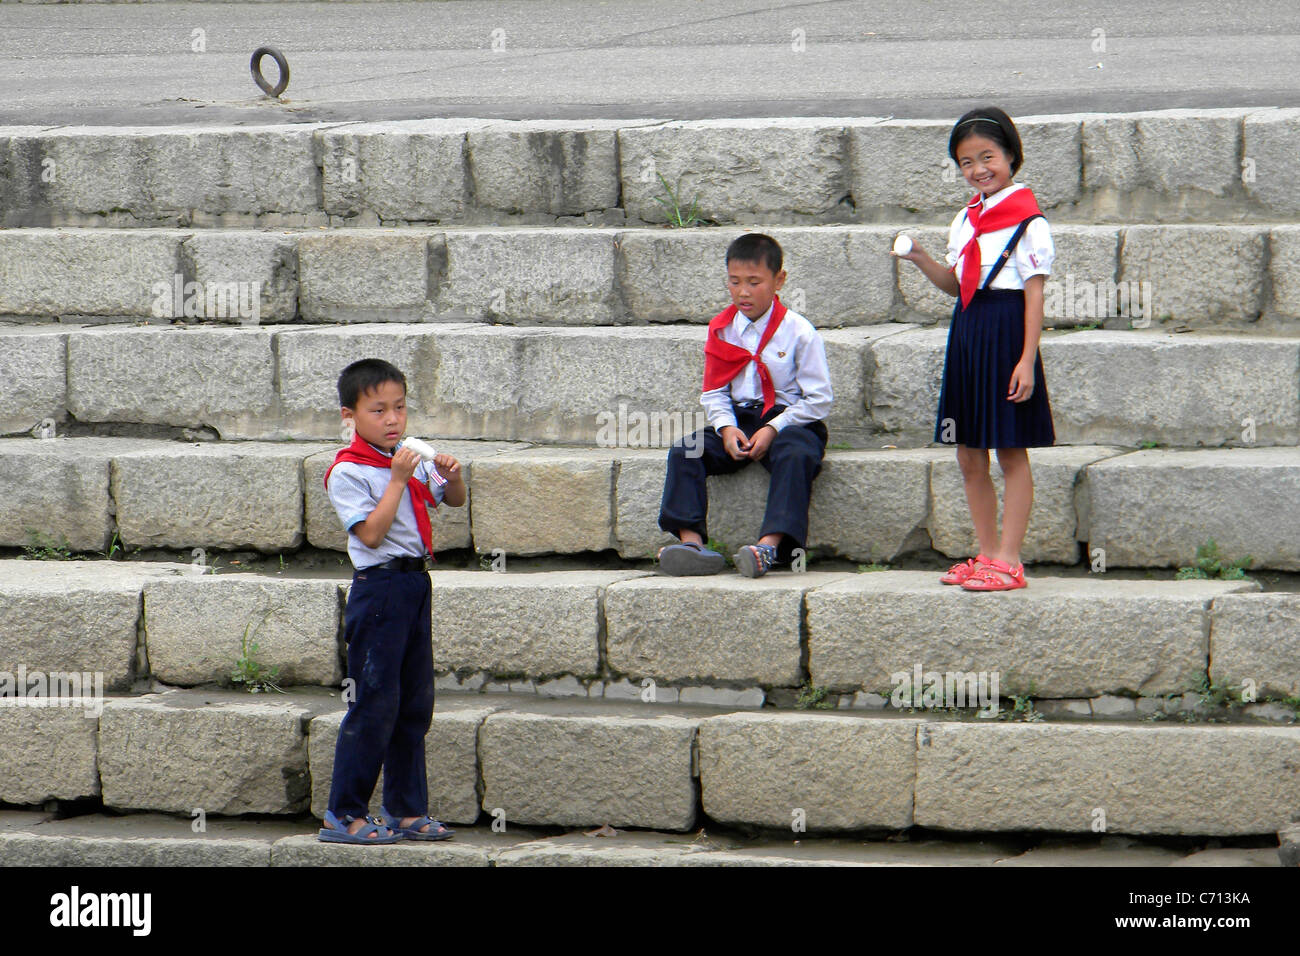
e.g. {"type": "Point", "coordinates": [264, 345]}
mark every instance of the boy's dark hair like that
{"type": "Point", "coordinates": [992, 123]}
{"type": "Point", "coordinates": [361, 376]}
{"type": "Point", "coordinates": [756, 247]}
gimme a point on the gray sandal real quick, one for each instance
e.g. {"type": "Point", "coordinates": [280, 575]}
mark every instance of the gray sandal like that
{"type": "Point", "coordinates": [755, 560]}
{"type": "Point", "coordinates": [436, 831]}
{"type": "Point", "coordinates": [336, 831]}
{"type": "Point", "coordinates": [679, 560]}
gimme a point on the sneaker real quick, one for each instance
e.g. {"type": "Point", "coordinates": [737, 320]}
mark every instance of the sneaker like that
{"type": "Point", "coordinates": [755, 560]}
{"type": "Point", "coordinates": [679, 560]}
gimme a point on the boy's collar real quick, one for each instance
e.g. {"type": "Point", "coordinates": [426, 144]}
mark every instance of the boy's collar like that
{"type": "Point", "coordinates": [386, 454]}
{"type": "Point", "coordinates": [746, 320]}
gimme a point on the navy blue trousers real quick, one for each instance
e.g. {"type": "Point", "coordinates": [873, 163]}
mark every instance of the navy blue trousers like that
{"type": "Point", "coordinates": [390, 656]}
{"type": "Point", "coordinates": [793, 460]}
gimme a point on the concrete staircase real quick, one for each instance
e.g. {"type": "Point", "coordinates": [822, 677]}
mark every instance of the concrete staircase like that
{"type": "Point", "coordinates": [153, 839]}
{"type": "Point", "coordinates": [573, 699]}
{"type": "Point", "coordinates": [550, 329]}
{"type": "Point", "coordinates": [1119, 168]}
{"type": "Point", "coordinates": [1129, 644]}
{"type": "Point", "coordinates": [575, 762]}
{"type": "Point", "coordinates": [1093, 503]}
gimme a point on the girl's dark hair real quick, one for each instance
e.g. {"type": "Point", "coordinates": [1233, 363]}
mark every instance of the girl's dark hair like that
{"type": "Point", "coordinates": [992, 123]}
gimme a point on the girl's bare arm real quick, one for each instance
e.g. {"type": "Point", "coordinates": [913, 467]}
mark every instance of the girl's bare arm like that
{"type": "Point", "coordinates": [943, 278]}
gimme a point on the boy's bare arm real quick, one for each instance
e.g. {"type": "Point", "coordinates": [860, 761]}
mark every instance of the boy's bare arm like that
{"type": "Point", "coordinates": [371, 532]}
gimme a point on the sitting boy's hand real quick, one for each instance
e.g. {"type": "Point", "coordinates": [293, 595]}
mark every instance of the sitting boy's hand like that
{"type": "Point", "coordinates": [762, 439]}
{"type": "Point", "coordinates": [447, 466]}
{"type": "Point", "coordinates": [733, 440]}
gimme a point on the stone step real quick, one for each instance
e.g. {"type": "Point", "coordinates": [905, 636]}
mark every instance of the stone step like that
{"type": "Point", "coordinates": [1131, 644]}
{"type": "Point", "coordinates": [1180, 165]}
{"type": "Point", "coordinates": [582, 764]}
{"type": "Point", "coordinates": [613, 385]}
{"type": "Point", "coordinates": [1147, 275]}
{"type": "Point", "coordinates": [878, 505]}
{"type": "Point", "coordinates": [29, 838]}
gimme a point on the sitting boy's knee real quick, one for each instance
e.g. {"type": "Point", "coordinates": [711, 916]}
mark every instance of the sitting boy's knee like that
{"type": "Point", "coordinates": [688, 447]}
{"type": "Point", "coordinates": [799, 457]}
{"type": "Point", "coordinates": [796, 447]}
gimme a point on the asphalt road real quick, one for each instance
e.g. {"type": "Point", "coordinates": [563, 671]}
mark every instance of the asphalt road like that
{"type": "Point", "coordinates": [141, 63]}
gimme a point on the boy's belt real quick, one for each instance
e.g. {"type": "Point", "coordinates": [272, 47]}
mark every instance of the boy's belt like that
{"type": "Point", "coordinates": [757, 406]}
{"type": "Point", "coordinates": [404, 564]}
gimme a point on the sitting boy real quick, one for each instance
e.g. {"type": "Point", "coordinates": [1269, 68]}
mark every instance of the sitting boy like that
{"type": "Point", "coordinates": [381, 496]}
{"type": "Point", "coordinates": [767, 390]}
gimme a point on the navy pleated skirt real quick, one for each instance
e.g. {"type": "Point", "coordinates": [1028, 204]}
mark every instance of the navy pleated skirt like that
{"type": "Point", "coordinates": [984, 344]}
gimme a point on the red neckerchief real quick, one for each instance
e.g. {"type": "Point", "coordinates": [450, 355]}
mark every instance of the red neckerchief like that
{"type": "Point", "coordinates": [1011, 211]}
{"type": "Point", "coordinates": [724, 361]}
{"type": "Point", "coordinates": [361, 453]}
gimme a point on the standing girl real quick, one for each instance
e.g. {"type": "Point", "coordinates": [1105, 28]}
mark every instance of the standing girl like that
{"type": "Point", "coordinates": [993, 396]}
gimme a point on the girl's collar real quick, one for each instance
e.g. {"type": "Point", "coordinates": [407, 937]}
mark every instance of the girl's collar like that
{"type": "Point", "coordinates": [997, 197]}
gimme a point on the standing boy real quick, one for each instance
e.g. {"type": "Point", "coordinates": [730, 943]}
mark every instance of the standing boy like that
{"type": "Point", "coordinates": [381, 497]}
{"type": "Point", "coordinates": [767, 391]}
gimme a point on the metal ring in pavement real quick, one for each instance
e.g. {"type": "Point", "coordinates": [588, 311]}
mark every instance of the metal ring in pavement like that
{"type": "Point", "coordinates": [255, 65]}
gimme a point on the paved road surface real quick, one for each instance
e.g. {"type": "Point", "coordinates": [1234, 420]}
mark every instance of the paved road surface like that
{"type": "Point", "coordinates": [121, 63]}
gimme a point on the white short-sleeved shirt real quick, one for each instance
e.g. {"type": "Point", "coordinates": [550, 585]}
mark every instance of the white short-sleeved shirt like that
{"type": "Point", "coordinates": [354, 490]}
{"type": "Point", "coordinates": [1032, 256]}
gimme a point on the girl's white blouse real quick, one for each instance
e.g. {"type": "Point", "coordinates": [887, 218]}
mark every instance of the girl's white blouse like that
{"type": "Point", "coordinates": [1032, 256]}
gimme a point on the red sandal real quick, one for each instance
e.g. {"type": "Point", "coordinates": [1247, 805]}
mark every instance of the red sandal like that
{"type": "Point", "coordinates": [958, 573]}
{"type": "Point", "coordinates": [986, 578]}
